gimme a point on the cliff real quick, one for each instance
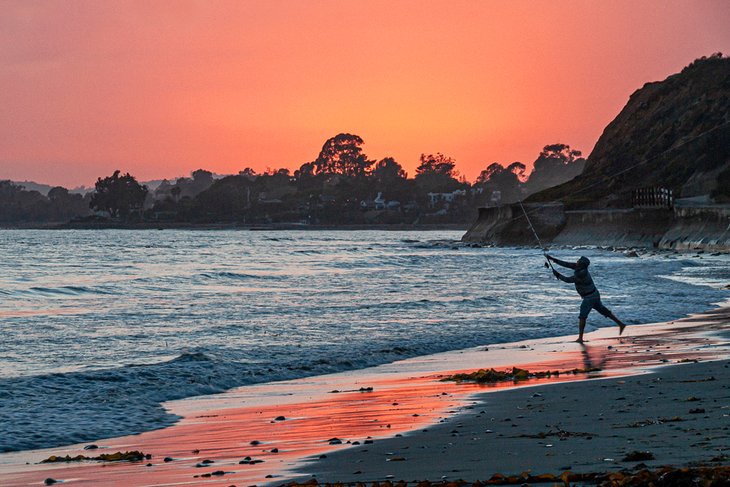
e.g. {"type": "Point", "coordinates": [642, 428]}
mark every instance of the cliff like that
{"type": "Point", "coordinates": [673, 133]}
{"type": "Point", "coordinates": [681, 228]}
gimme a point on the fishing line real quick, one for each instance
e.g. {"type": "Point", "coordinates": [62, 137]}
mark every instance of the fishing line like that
{"type": "Point", "coordinates": [605, 178]}
{"type": "Point", "coordinates": [544, 251]}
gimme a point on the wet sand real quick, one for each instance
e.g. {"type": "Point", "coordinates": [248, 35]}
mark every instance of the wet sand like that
{"type": "Point", "coordinates": [585, 423]}
{"type": "Point", "coordinates": [680, 415]}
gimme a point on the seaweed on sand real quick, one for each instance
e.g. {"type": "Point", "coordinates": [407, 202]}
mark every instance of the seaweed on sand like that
{"type": "Point", "coordinates": [488, 376]}
{"type": "Point", "coordinates": [129, 456]}
{"type": "Point", "coordinates": [664, 476]}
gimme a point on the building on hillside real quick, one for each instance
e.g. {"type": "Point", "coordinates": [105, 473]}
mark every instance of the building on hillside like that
{"type": "Point", "coordinates": [435, 198]}
{"type": "Point", "coordinates": [379, 203]}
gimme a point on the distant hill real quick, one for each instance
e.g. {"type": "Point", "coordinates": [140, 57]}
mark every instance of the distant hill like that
{"type": "Point", "coordinates": [673, 133]}
{"type": "Point", "coordinates": [45, 188]}
{"type": "Point", "coordinates": [33, 186]}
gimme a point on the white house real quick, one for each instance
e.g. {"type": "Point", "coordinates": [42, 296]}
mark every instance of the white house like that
{"type": "Point", "coordinates": [434, 198]}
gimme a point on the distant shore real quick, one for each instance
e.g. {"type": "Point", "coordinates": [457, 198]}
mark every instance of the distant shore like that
{"type": "Point", "coordinates": [233, 226]}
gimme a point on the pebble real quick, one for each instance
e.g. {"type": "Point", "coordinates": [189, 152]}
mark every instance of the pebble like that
{"type": "Point", "coordinates": [50, 481]}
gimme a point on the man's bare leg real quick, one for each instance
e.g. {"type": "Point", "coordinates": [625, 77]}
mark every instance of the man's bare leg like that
{"type": "Point", "coordinates": [621, 324]}
{"type": "Point", "coordinates": [581, 328]}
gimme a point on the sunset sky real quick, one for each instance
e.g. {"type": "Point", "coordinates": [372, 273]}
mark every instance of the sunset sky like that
{"type": "Point", "coordinates": [161, 88]}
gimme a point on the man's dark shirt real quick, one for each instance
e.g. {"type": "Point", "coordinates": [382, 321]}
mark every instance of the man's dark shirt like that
{"type": "Point", "coordinates": [581, 277]}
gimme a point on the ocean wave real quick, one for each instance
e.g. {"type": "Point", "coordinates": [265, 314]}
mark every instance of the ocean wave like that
{"type": "Point", "coordinates": [64, 290]}
{"type": "Point", "coordinates": [62, 408]}
{"type": "Point", "coordinates": [224, 311]}
{"type": "Point", "coordinates": [234, 276]}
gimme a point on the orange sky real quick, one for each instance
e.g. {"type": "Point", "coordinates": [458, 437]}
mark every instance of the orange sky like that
{"type": "Point", "coordinates": [161, 88]}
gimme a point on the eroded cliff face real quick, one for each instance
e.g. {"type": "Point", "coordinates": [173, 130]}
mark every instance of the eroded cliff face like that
{"type": "Point", "coordinates": [682, 228]}
{"type": "Point", "coordinates": [673, 133]}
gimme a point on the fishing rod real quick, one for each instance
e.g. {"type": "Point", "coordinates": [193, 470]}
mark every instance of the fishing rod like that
{"type": "Point", "coordinates": [544, 251]}
{"type": "Point", "coordinates": [633, 166]}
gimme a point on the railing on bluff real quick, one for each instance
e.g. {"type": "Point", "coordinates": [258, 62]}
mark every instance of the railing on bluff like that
{"type": "Point", "coordinates": [652, 197]}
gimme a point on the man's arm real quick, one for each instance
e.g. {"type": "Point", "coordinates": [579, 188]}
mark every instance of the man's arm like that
{"type": "Point", "coordinates": [562, 277]}
{"type": "Point", "coordinates": [569, 265]}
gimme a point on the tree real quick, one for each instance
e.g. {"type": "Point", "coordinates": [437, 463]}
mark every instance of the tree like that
{"type": "Point", "coordinates": [557, 154]}
{"type": "Point", "coordinates": [58, 194]}
{"type": "Point", "coordinates": [306, 170]}
{"type": "Point", "coordinates": [118, 195]}
{"type": "Point", "coordinates": [202, 177]}
{"type": "Point", "coordinates": [488, 174]}
{"type": "Point", "coordinates": [506, 180]}
{"type": "Point", "coordinates": [436, 173]}
{"type": "Point", "coordinates": [342, 154]}
{"type": "Point", "coordinates": [387, 171]}
{"type": "Point", "coordinates": [556, 164]}
{"type": "Point", "coordinates": [495, 172]}
{"type": "Point", "coordinates": [438, 164]}
{"type": "Point", "coordinates": [248, 173]}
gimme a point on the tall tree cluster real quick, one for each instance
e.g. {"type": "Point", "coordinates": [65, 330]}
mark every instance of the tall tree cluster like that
{"type": "Point", "coordinates": [340, 186]}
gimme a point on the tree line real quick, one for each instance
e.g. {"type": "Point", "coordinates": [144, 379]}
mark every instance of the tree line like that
{"type": "Point", "coordinates": [341, 186]}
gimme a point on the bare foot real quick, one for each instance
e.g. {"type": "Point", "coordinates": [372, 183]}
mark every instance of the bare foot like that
{"type": "Point", "coordinates": [621, 328]}
{"type": "Point", "coordinates": [580, 340]}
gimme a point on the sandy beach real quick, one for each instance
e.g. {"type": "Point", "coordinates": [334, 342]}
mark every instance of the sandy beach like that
{"type": "Point", "coordinates": [680, 415]}
{"type": "Point", "coordinates": [402, 421]}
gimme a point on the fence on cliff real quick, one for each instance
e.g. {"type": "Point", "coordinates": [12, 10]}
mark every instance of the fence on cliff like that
{"type": "Point", "coordinates": [652, 197]}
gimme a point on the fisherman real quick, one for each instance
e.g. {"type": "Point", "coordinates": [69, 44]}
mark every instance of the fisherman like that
{"type": "Point", "coordinates": [587, 290]}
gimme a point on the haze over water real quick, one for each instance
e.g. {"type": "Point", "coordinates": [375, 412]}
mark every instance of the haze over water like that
{"type": "Point", "coordinates": [97, 328]}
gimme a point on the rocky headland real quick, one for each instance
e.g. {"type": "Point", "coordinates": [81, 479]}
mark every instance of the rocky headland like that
{"type": "Point", "coordinates": [659, 175]}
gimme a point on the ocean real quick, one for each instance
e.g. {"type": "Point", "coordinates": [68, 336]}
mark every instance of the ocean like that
{"type": "Point", "coordinates": [97, 328]}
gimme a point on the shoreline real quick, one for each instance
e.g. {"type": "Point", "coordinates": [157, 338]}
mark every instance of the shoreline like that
{"type": "Point", "coordinates": [236, 226]}
{"type": "Point", "coordinates": [407, 396]}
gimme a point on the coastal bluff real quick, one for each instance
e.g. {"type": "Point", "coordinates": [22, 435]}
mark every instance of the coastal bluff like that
{"type": "Point", "coordinates": [690, 227]}
{"type": "Point", "coordinates": [658, 177]}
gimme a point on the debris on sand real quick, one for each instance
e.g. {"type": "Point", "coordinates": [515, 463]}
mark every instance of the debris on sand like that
{"type": "Point", "coordinates": [129, 456]}
{"type": "Point", "coordinates": [665, 476]}
{"type": "Point", "coordinates": [486, 376]}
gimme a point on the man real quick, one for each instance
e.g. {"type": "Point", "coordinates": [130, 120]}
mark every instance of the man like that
{"type": "Point", "coordinates": [587, 290]}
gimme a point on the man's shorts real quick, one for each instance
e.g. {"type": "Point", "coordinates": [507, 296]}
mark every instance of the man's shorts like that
{"type": "Point", "coordinates": [593, 301]}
